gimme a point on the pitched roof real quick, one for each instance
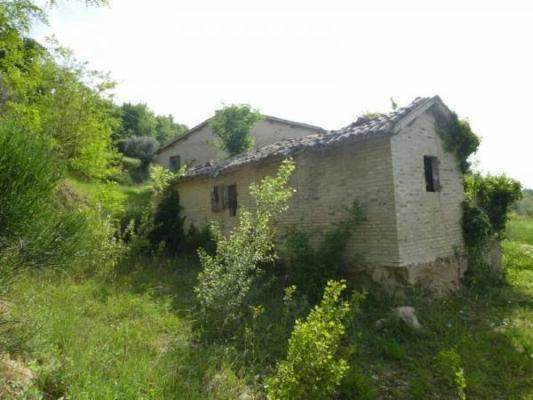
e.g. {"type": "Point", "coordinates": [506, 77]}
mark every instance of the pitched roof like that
{"type": "Point", "coordinates": [266, 118]}
{"type": "Point", "coordinates": [361, 129]}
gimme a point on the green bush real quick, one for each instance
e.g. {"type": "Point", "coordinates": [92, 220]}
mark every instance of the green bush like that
{"type": "Point", "coordinates": [227, 276]}
{"type": "Point", "coordinates": [200, 239]}
{"type": "Point", "coordinates": [476, 225]}
{"type": "Point", "coordinates": [29, 174]}
{"type": "Point", "coordinates": [168, 223]}
{"type": "Point", "coordinates": [35, 227]}
{"type": "Point", "coordinates": [310, 268]}
{"type": "Point", "coordinates": [313, 368]}
{"type": "Point", "coordinates": [495, 195]}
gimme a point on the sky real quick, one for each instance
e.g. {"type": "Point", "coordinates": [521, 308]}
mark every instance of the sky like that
{"type": "Point", "coordinates": [320, 62]}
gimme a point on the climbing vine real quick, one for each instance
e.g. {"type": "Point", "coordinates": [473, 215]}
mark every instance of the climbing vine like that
{"type": "Point", "coordinates": [458, 138]}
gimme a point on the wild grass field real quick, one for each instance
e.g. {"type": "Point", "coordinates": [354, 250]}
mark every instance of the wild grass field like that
{"type": "Point", "coordinates": [129, 336]}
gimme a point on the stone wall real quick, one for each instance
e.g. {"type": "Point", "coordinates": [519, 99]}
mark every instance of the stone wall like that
{"type": "Point", "coordinates": [429, 223]}
{"type": "Point", "coordinates": [198, 148]}
{"type": "Point", "coordinates": [325, 182]}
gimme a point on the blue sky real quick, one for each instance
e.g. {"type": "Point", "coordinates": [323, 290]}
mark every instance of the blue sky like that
{"type": "Point", "coordinates": [321, 62]}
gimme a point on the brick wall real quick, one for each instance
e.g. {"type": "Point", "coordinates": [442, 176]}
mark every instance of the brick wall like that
{"type": "Point", "coordinates": [428, 222]}
{"type": "Point", "coordinates": [325, 183]}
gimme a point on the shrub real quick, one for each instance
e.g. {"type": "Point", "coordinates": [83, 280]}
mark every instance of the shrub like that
{"type": "Point", "coordinates": [476, 225]}
{"type": "Point", "coordinates": [313, 368]}
{"type": "Point", "coordinates": [200, 238]}
{"type": "Point", "coordinates": [161, 179]}
{"type": "Point", "coordinates": [232, 125]}
{"type": "Point", "coordinates": [168, 223]}
{"type": "Point", "coordinates": [310, 268]}
{"type": "Point", "coordinates": [227, 276]}
{"type": "Point", "coordinates": [494, 194]}
{"type": "Point", "coordinates": [35, 228]}
{"type": "Point", "coordinates": [29, 174]}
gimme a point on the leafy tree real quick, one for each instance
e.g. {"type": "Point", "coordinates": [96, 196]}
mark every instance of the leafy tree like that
{"type": "Point", "coordinates": [167, 130]}
{"type": "Point", "coordinates": [232, 125]}
{"type": "Point", "coordinates": [141, 147]}
{"type": "Point", "coordinates": [137, 120]}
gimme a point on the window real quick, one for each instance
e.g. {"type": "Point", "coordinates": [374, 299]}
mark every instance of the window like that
{"type": "Point", "coordinates": [223, 197]}
{"type": "Point", "coordinates": [217, 198]}
{"type": "Point", "coordinates": [174, 163]}
{"type": "Point", "coordinates": [232, 200]}
{"type": "Point", "coordinates": [431, 172]}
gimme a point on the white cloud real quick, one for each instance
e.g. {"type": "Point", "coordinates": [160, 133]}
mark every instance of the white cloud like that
{"type": "Point", "coordinates": [320, 62]}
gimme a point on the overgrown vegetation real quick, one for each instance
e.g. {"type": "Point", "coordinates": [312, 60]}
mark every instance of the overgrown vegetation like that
{"type": "Point", "coordinates": [98, 309]}
{"type": "Point", "coordinates": [228, 275]}
{"type": "Point", "coordinates": [314, 369]}
{"type": "Point", "coordinates": [310, 266]}
{"type": "Point", "coordinates": [459, 139]}
{"type": "Point", "coordinates": [232, 124]}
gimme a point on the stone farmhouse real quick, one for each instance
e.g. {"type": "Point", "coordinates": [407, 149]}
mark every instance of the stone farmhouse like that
{"type": "Point", "coordinates": [395, 166]}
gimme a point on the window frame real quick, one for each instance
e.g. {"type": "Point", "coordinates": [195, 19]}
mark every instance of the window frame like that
{"type": "Point", "coordinates": [432, 174]}
{"type": "Point", "coordinates": [172, 163]}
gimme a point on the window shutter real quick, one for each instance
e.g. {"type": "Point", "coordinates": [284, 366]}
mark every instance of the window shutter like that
{"type": "Point", "coordinates": [232, 200]}
{"type": "Point", "coordinates": [436, 174]}
{"type": "Point", "coordinates": [220, 197]}
{"type": "Point", "coordinates": [214, 201]}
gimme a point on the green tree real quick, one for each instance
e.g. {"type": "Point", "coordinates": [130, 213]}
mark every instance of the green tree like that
{"type": "Point", "coordinates": [232, 125]}
{"type": "Point", "coordinates": [137, 120]}
{"type": "Point", "coordinates": [167, 130]}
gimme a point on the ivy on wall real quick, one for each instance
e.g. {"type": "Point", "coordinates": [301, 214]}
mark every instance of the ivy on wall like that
{"type": "Point", "coordinates": [458, 138]}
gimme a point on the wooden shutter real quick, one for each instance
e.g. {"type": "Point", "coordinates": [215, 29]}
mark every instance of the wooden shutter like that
{"type": "Point", "coordinates": [217, 198]}
{"type": "Point", "coordinates": [232, 200]}
{"type": "Point", "coordinates": [436, 173]}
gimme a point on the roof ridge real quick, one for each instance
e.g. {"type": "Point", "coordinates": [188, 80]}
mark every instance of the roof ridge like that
{"type": "Point", "coordinates": [291, 146]}
{"type": "Point", "coordinates": [267, 117]}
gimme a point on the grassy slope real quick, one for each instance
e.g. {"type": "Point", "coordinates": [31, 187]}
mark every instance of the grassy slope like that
{"type": "Point", "coordinates": [130, 336]}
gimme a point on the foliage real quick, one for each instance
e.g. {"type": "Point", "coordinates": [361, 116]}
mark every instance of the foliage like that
{"type": "Point", "coordinates": [168, 223]}
{"type": "Point", "coordinates": [139, 120]}
{"type": "Point", "coordinates": [227, 276]}
{"type": "Point", "coordinates": [232, 125]}
{"type": "Point", "coordinates": [51, 94]}
{"type": "Point", "coordinates": [200, 238]}
{"type": "Point", "coordinates": [26, 182]}
{"type": "Point", "coordinates": [141, 147]}
{"type": "Point", "coordinates": [449, 364]}
{"type": "Point", "coordinates": [313, 368]}
{"type": "Point", "coordinates": [458, 138]}
{"type": "Point", "coordinates": [161, 178]}
{"type": "Point", "coordinates": [494, 194]}
{"type": "Point", "coordinates": [476, 225]}
{"type": "Point", "coordinates": [524, 206]}
{"type": "Point", "coordinates": [310, 268]}
{"type": "Point", "coordinates": [77, 113]}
